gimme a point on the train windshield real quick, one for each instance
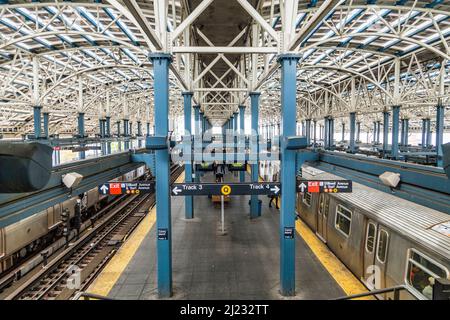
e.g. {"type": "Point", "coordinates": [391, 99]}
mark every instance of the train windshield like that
{"type": "Point", "coordinates": [422, 272]}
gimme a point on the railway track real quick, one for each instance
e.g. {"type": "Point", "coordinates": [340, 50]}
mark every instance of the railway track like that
{"type": "Point", "coordinates": [75, 267]}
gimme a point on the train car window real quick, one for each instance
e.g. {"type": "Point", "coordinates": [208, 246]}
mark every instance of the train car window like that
{"type": "Point", "coordinates": [383, 240]}
{"type": "Point", "coordinates": [307, 198]}
{"type": "Point", "coordinates": [370, 237]}
{"type": "Point", "coordinates": [421, 272]}
{"type": "Point", "coordinates": [343, 220]}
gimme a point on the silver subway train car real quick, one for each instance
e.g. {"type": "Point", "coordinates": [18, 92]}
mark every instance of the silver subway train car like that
{"type": "Point", "coordinates": [19, 240]}
{"type": "Point", "coordinates": [383, 239]}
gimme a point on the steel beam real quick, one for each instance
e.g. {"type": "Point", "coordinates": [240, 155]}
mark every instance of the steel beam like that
{"type": "Point", "coordinates": [254, 200]}
{"type": "Point", "coordinates": [385, 132]}
{"type": "Point", "coordinates": [189, 203]}
{"type": "Point", "coordinates": [352, 131]}
{"type": "Point", "coordinates": [439, 134]}
{"type": "Point", "coordinates": [395, 124]}
{"type": "Point", "coordinates": [37, 121]}
{"type": "Point", "coordinates": [308, 131]}
{"type": "Point", "coordinates": [242, 132]}
{"type": "Point", "coordinates": [288, 64]}
{"type": "Point", "coordinates": [45, 124]}
{"type": "Point", "coordinates": [161, 64]}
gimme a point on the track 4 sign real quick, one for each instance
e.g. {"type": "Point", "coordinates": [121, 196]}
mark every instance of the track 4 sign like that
{"type": "Point", "coordinates": [118, 188]}
{"type": "Point", "coordinates": [326, 186]}
{"type": "Point", "coordinates": [199, 189]}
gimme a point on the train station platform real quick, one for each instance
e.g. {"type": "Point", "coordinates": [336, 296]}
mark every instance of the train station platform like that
{"type": "Point", "coordinates": [243, 264]}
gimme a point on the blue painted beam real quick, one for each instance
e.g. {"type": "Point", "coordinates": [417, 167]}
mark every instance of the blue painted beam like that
{"type": "Point", "coordinates": [343, 132]}
{"type": "Point", "coordinates": [352, 131]}
{"type": "Point", "coordinates": [424, 130]}
{"type": "Point", "coordinates": [288, 64]}
{"type": "Point", "coordinates": [188, 200]}
{"type": "Point", "coordinates": [45, 124]}
{"type": "Point", "coordinates": [326, 135]}
{"type": "Point", "coordinates": [161, 64]}
{"type": "Point", "coordinates": [395, 124]}
{"type": "Point", "coordinates": [428, 142]}
{"type": "Point", "coordinates": [314, 131]}
{"type": "Point", "coordinates": [37, 121]}
{"type": "Point", "coordinates": [378, 132]}
{"type": "Point", "coordinates": [255, 209]}
{"type": "Point", "coordinates": [241, 132]}
{"type": "Point", "coordinates": [385, 132]}
{"type": "Point", "coordinates": [358, 131]}
{"type": "Point", "coordinates": [108, 127]}
{"type": "Point", "coordinates": [308, 131]}
{"type": "Point", "coordinates": [439, 134]}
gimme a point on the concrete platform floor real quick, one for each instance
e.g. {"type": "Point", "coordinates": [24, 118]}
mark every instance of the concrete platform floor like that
{"type": "Point", "coordinates": [243, 264]}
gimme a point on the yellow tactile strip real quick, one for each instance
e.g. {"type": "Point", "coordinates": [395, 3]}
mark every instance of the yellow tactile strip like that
{"type": "Point", "coordinates": [113, 270]}
{"type": "Point", "coordinates": [344, 278]}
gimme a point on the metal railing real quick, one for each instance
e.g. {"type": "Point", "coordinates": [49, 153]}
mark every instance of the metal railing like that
{"type": "Point", "coordinates": [396, 290]}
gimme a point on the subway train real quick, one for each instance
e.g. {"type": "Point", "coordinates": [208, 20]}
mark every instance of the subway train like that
{"type": "Point", "coordinates": [383, 239]}
{"type": "Point", "coordinates": [20, 240]}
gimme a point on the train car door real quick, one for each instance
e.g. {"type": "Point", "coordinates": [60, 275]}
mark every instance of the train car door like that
{"type": "Point", "coordinates": [369, 253]}
{"type": "Point", "coordinates": [382, 254]}
{"type": "Point", "coordinates": [322, 217]}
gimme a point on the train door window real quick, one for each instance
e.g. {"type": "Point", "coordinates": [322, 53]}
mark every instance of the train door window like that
{"type": "Point", "coordinates": [421, 272]}
{"type": "Point", "coordinates": [370, 237]}
{"type": "Point", "coordinates": [383, 240]}
{"type": "Point", "coordinates": [343, 220]}
{"type": "Point", "coordinates": [321, 203]}
{"type": "Point", "coordinates": [307, 198]}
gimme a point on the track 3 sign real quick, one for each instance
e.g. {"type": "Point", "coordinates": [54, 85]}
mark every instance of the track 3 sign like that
{"type": "Point", "coordinates": [199, 189]}
{"type": "Point", "coordinates": [327, 186]}
{"type": "Point", "coordinates": [118, 188]}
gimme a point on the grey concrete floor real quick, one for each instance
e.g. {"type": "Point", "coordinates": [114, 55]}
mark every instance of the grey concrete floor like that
{"type": "Point", "coordinates": [243, 264]}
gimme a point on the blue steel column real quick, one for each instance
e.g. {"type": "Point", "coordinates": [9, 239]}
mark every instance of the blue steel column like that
{"type": "Point", "coordinates": [385, 132]}
{"type": "Point", "coordinates": [405, 138]}
{"type": "Point", "coordinates": [254, 200]}
{"type": "Point", "coordinates": [326, 127]}
{"type": "Point", "coordinates": [288, 180]}
{"type": "Point", "coordinates": [139, 133]}
{"type": "Point", "coordinates": [197, 133]}
{"type": "Point", "coordinates": [188, 200]}
{"type": "Point", "coordinates": [428, 143]}
{"type": "Point", "coordinates": [352, 131]}
{"type": "Point", "coordinates": [163, 215]}
{"type": "Point", "coordinates": [314, 131]}
{"type": "Point", "coordinates": [242, 132]}
{"type": "Point", "coordinates": [108, 126]}
{"type": "Point", "coordinates": [235, 134]}
{"type": "Point", "coordinates": [118, 128]}
{"type": "Point", "coordinates": [331, 132]}
{"type": "Point", "coordinates": [424, 130]}
{"type": "Point", "coordinates": [343, 132]}
{"type": "Point", "coordinates": [378, 131]}
{"type": "Point", "coordinates": [308, 131]}
{"type": "Point", "coordinates": [37, 121]}
{"type": "Point", "coordinates": [81, 124]}
{"type": "Point", "coordinates": [439, 134]}
{"type": "Point", "coordinates": [45, 124]}
{"type": "Point", "coordinates": [402, 132]}
{"type": "Point", "coordinates": [148, 128]}
{"type": "Point", "coordinates": [374, 132]}
{"type": "Point", "coordinates": [395, 124]}
{"type": "Point", "coordinates": [358, 131]}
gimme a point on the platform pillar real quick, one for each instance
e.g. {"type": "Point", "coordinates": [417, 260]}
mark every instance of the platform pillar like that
{"type": "Point", "coordinates": [374, 132]}
{"type": "Point", "coordinates": [385, 132]}
{"type": "Point", "coordinates": [37, 121]}
{"type": "Point", "coordinates": [343, 132]}
{"type": "Point", "coordinates": [242, 132]}
{"type": "Point", "coordinates": [314, 131]}
{"type": "Point", "coordinates": [358, 131]}
{"type": "Point", "coordinates": [326, 128]}
{"type": "Point", "coordinates": [331, 132]}
{"type": "Point", "coordinates": [406, 132]}
{"type": "Point", "coordinates": [395, 124]}
{"type": "Point", "coordinates": [439, 134]}
{"type": "Point", "coordinates": [428, 140]}
{"type": "Point", "coordinates": [352, 131]}
{"type": "Point", "coordinates": [424, 130]}
{"type": "Point", "coordinates": [199, 138]}
{"type": "Point", "coordinates": [45, 124]}
{"type": "Point", "coordinates": [402, 132]}
{"type": "Point", "coordinates": [308, 131]}
{"type": "Point", "coordinates": [254, 200]}
{"type": "Point", "coordinates": [188, 200]}
{"type": "Point", "coordinates": [148, 128]}
{"type": "Point", "coordinates": [161, 64]}
{"type": "Point", "coordinates": [287, 215]}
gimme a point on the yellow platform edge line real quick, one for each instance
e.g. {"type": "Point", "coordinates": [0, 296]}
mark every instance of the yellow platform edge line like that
{"type": "Point", "coordinates": [344, 278]}
{"type": "Point", "coordinates": [114, 269]}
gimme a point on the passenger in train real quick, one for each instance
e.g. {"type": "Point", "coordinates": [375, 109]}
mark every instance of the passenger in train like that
{"type": "Point", "coordinates": [418, 278]}
{"type": "Point", "coordinates": [428, 290]}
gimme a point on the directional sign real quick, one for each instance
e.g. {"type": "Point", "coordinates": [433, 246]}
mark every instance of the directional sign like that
{"type": "Point", "coordinates": [328, 186]}
{"type": "Point", "coordinates": [123, 187]}
{"type": "Point", "coordinates": [202, 189]}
